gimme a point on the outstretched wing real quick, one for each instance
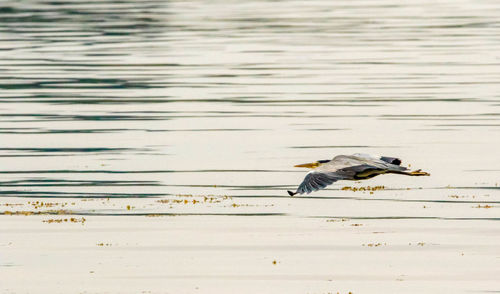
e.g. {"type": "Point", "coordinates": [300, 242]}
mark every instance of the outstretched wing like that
{"type": "Point", "coordinates": [315, 181]}
{"type": "Point", "coordinates": [318, 179]}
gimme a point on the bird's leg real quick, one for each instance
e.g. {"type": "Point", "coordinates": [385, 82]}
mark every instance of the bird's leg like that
{"type": "Point", "coordinates": [291, 193]}
{"type": "Point", "coordinates": [418, 172]}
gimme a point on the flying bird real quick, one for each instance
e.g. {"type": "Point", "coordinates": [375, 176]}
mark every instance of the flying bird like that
{"type": "Point", "coordinates": [350, 167]}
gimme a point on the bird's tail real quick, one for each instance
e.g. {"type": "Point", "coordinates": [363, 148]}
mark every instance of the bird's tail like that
{"type": "Point", "coordinates": [291, 193]}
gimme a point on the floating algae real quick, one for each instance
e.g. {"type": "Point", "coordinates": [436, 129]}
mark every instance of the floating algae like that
{"type": "Point", "coordinates": [367, 188]}
{"type": "Point", "coordinates": [65, 220]}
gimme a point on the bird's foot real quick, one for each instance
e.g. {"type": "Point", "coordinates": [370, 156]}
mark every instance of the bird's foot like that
{"type": "Point", "coordinates": [291, 193]}
{"type": "Point", "coordinates": [419, 172]}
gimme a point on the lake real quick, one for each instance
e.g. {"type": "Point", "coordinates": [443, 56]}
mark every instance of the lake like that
{"type": "Point", "coordinates": [147, 146]}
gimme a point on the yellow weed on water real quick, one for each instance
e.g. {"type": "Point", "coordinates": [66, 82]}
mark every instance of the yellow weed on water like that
{"type": "Point", "coordinates": [12, 204]}
{"type": "Point", "coordinates": [46, 212]}
{"type": "Point", "coordinates": [483, 206]}
{"type": "Point", "coordinates": [65, 220]}
{"type": "Point", "coordinates": [18, 212]}
{"type": "Point", "coordinates": [374, 244]}
{"type": "Point", "coordinates": [367, 188]}
{"type": "Point", "coordinates": [184, 195]}
{"type": "Point", "coordinates": [337, 220]}
{"type": "Point", "coordinates": [103, 244]}
{"type": "Point", "coordinates": [41, 204]}
{"type": "Point", "coordinates": [194, 199]}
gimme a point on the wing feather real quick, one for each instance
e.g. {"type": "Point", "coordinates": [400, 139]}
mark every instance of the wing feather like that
{"type": "Point", "coordinates": [391, 160]}
{"type": "Point", "coordinates": [315, 181]}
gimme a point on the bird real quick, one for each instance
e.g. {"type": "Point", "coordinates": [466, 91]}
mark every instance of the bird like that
{"type": "Point", "coordinates": [350, 167]}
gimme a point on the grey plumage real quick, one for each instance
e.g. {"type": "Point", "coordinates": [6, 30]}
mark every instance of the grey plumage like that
{"type": "Point", "coordinates": [350, 167]}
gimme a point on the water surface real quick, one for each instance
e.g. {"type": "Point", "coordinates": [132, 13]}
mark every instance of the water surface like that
{"type": "Point", "coordinates": [169, 131]}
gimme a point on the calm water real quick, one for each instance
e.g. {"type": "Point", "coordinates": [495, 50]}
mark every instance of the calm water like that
{"type": "Point", "coordinates": [195, 112]}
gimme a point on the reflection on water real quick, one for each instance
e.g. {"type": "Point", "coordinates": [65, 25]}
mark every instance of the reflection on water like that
{"type": "Point", "coordinates": [143, 100]}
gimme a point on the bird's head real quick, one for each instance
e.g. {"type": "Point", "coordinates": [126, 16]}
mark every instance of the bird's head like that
{"type": "Point", "coordinates": [313, 164]}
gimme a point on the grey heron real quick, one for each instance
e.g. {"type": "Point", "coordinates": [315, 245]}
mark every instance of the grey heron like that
{"type": "Point", "coordinates": [350, 167]}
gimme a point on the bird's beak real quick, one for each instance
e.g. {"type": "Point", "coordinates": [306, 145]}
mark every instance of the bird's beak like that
{"type": "Point", "coordinates": [308, 165]}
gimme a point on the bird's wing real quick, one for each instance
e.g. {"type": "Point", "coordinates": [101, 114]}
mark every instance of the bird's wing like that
{"type": "Point", "coordinates": [317, 180]}
{"type": "Point", "coordinates": [391, 160]}
{"type": "Point", "coordinates": [383, 162]}
{"type": "Point", "coordinates": [388, 159]}
{"type": "Point", "coordinates": [362, 155]}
